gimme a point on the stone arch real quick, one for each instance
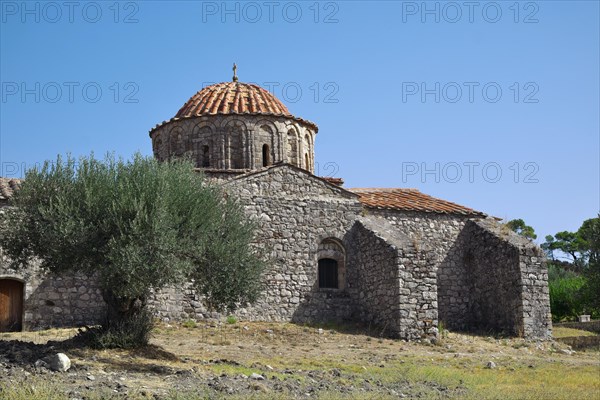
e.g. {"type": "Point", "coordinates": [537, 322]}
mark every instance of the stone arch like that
{"type": "Point", "coordinates": [267, 132]}
{"type": "Point", "coordinates": [267, 122]}
{"type": "Point", "coordinates": [202, 129]}
{"type": "Point", "coordinates": [331, 260]}
{"type": "Point", "coordinates": [235, 133]}
{"type": "Point", "coordinates": [12, 300]}
{"type": "Point", "coordinates": [265, 135]}
{"type": "Point", "coordinates": [201, 135]}
{"type": "Point", "coordinates": [176, 138]}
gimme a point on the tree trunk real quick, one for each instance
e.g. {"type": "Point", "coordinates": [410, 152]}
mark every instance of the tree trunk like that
{"type": "Point", "coordinates": [122, 309]}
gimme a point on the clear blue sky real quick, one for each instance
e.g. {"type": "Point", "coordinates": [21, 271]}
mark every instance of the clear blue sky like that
{"type": "Point", "coordinates": [397, 89]}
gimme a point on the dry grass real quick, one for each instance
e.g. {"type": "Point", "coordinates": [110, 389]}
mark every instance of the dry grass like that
{"type": "Point", "coordinates": [525, 370]}
{"type": "Point", "coordinates": [40, 337]}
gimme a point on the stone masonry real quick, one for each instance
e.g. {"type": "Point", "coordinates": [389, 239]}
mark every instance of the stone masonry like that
{"type": "Point", "coordinates": [396, 260]}
{"type": "Point", "coordinates": [56, 300]}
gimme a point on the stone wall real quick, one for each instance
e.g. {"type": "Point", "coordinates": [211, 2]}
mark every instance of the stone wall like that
{"type": "Point", "coordinates": [487, 277]}
{"type": "Point", "coordinates": [492, 282]}
{"type": "Point", "coordinates": [508, 281]}
{"type": "Point", "coordinates": [437, 235]}
{"type": "Point", "coordinates": [296, 213]}
{"type": "Point", "coordinates": [396, 287]}
{"type": "Point", "coordinates": [377, 277]}
{"type": "Point", "coordinates": [53, 300]}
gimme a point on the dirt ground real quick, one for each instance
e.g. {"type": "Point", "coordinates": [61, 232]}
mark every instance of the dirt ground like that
{"type": "Point", "coordinates": [276, 360]}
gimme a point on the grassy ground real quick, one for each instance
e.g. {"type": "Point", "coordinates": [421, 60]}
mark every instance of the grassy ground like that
{"type": "Point", "coordinates": [335, 363]}
{"type": "Point", "coordinates": [561, 332]}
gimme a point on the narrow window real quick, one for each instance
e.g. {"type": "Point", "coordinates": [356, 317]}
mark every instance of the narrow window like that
{"type": "Point", "coordinates": [328, 273]}
{"type": "Point", "coordinates": [306, 162]}
{"type": "Point", "coordinates": [157, 149]}
{"type": "Point", "coordinates": [205, 157]}
{"type": "Point", "coordinates": [265, 154]}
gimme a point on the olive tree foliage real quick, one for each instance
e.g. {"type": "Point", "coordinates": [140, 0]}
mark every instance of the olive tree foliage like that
{"type": "Point", "coordinates": [137, 225]}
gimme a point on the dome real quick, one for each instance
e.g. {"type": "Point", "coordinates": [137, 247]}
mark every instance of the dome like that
{"type": "Point", "coordinates": [233, 98]}
{"type": "Point", "coordinates": [235, 126]}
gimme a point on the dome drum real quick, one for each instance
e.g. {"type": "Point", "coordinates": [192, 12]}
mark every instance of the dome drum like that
{"type": "Point", "coordinates": [236, 142]}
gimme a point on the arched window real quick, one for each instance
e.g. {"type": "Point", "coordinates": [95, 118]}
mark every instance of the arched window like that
{"type": "Point", "coordinates": [205, 157]}
{"type": "Point", "coordinates": [331, 257]}
{"type": "Point", "coordinates": [266, 160]}
{"type": "Point", "coordinates": [328, 273]}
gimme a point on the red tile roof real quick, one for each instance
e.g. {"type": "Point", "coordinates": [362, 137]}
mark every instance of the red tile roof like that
{"type": "Point", "coordinates": [235, 98]}
{"type": "Point", "coordinates": [7, 187]}
{"type": "Point", "coordinates": [409, 200]}
{"type": "Point", "coordinates": [232, 98]}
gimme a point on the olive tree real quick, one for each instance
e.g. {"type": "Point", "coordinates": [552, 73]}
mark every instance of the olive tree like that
{"type": "Point", "coordinates": [136, 225]}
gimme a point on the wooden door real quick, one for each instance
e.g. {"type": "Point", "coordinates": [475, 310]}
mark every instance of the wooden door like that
{"type": "Point", "coordinates": [11, 305]}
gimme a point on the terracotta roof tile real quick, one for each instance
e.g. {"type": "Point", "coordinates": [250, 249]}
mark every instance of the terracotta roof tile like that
{"type": "Point", "coordinates": [7, 187]}
{"type": "Point", "coordinates": [230, 98]}
{"type": "Point", "coordinates": [409, 200]}
{"type": "Point", "coordinates": [334, 181]}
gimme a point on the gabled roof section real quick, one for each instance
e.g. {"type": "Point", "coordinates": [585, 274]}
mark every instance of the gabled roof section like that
{"type": "Point", "coordinates": [410, 200]}
{"type": "Point", "coordinates": [274, 167]}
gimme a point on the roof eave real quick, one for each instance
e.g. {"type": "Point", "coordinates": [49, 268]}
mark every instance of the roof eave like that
{"type": "Point", "coordinates": [301, 121]}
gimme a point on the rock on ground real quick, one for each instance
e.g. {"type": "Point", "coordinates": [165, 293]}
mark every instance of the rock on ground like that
{"type": "Point", "coordinates": [59, 362]}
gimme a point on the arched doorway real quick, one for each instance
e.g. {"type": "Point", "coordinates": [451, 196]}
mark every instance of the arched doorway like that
{"type": "Point", "coordinates": [11, 305]}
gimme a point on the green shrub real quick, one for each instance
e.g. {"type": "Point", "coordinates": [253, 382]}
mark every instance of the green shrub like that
{"type": "Point", "coordinates": [124, 334]}
{"type": "Point", "coordinates": [566, 300]}
{"type": "Point", "coordinates": [231, 319]}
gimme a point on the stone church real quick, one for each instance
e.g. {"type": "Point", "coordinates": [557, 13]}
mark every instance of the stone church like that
{"type": "Point", "coordinates": [393, 258]}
